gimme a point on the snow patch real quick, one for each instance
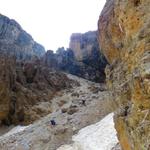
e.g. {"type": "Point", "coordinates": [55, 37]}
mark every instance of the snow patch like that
{"type": "Point", "coordinates": [99, 136]}
{"type": "Point", "coordinates": [15, 130]}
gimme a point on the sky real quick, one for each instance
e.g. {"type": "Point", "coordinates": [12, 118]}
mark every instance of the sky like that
{"type": "Point", "coordinates": [51, 22]}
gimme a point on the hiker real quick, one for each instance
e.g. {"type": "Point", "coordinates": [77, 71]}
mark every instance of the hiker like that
{"type": "Point", "coordinates": [83, 102]}
{"type": "Point", "coordinates": [52, 122]}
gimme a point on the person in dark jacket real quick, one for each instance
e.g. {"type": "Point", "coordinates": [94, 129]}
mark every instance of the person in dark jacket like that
{"type": "Point", "coordinates": [52, 122]}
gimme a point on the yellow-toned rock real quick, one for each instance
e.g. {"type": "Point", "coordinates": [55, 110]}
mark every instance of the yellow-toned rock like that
{"type": "Point", "coordinates": [124, 36]}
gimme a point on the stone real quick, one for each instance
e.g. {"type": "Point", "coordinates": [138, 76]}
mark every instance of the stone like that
{"type": "Point", "coordinates": [124, 36]}
{"type": "Point", "coordinates": [25, 79]}
{"type": "Point", "coordinates": [82, 44]}
{"type": "Point", "coordinates": [83, 58]}
{"type": "Point", "coordinates": [23, 86]}
{"type": "Point", "coordinates": [15, 41]}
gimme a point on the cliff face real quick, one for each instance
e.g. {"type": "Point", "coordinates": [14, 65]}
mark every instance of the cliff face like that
{"type": "Point", "coordinates": [90, 68]}
{"type": "Point", "coordinates": [15, 41]}
{"type": "Point", "coordinates": [83, 58]}
{"type": "Point", "coordinates": [25, 80]}
{"type": "Point", "coordinates": [124, 35]}
{"type": "Point", "coordinates": [83, 44]}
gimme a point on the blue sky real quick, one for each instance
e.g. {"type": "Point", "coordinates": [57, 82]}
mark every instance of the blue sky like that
{"type": "Point", "coordinates": [51, 22]}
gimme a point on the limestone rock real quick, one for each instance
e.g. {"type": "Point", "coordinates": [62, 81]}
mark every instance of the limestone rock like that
{"type": "Point", "coordinates": [82, 44]}
{"type": "Point", "coordinates": [25, 80]}
{"type": "Point", "coordinates": [23, 86]}
{"type": "Point", "coordinates": [86, 51]}
{"type": "Point", "coordinates": [42, 135]}
{"type": "Point", "coordinates": [124, 36]}
{"type": "Point", "coordinates": [83, 58]}
{"type": "Point", "coordinates": [15, 41]}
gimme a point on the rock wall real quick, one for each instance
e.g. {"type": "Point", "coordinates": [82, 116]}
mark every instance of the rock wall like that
{"type": "Point", "coordinates": [23, 86]}
{"type": "Point", "coordinates": [83, 44]}
{"type": "Point", "coordinates": [124, 36]}
{"type": "Point", "coordinates": [25, 79]}
{"type": "Point", "coordinates": [15, 41]}
{"type": "Point", "coordinates": [83, 58]}
{"type": "Point", "coordinates": [91, 68]}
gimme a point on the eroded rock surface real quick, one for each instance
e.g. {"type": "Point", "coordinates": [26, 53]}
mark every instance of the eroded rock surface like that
{"type": "Point", "coordinates": [23, 86]}
{"type": "Point", "coordinates": [15, 41]}
{"type": "Point", "coordinates": [25, 79]}
{"type": "Point", "coordinates": [83, 44]}
{"type": "Point", "coordinates": [124, 35]}
{"type": "Point", "coordinates": [83, 58]}
{"type": "Point", "coordinates": [86, 51]}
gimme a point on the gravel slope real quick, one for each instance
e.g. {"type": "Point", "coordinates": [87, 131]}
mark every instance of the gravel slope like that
{"type": "Point", "coordinates": [72, 110]}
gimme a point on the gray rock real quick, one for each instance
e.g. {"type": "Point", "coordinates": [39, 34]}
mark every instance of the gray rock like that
{"type": "Point", "coordinates": [15, 41]}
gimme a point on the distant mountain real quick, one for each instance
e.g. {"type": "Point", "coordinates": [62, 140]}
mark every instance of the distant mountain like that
{"type": "Point", "coordinates": [25, 81]}
{"type": "Point", "coordinates": [124, 35]}
{"type": "Point", "coordinates": [83, 44]}
{"type": "Point", "coordinates": [29, 75]}
{"type": "Point", "coordinates": [15, 41]}
{"type": "Point", "coordinates": [83, 58]}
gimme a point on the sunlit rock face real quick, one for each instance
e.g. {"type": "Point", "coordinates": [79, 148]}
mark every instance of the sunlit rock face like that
{"type": "Point", "coordinates": [89, 60]}
{"type": "Point", "coordinates": [124, 36]}
{"type": "Point", "coordinates": [83, 44]}
{"type": "Point", "coordinates": [14, 40]}
{"type": "Point", "coordinates": [23, 86]}
{"type": "Point", "coordinates": [82, 59]}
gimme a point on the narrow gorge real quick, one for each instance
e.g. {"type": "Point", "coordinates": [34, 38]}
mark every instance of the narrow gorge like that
{"type": "Point", "coordinates": [93, 95]}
